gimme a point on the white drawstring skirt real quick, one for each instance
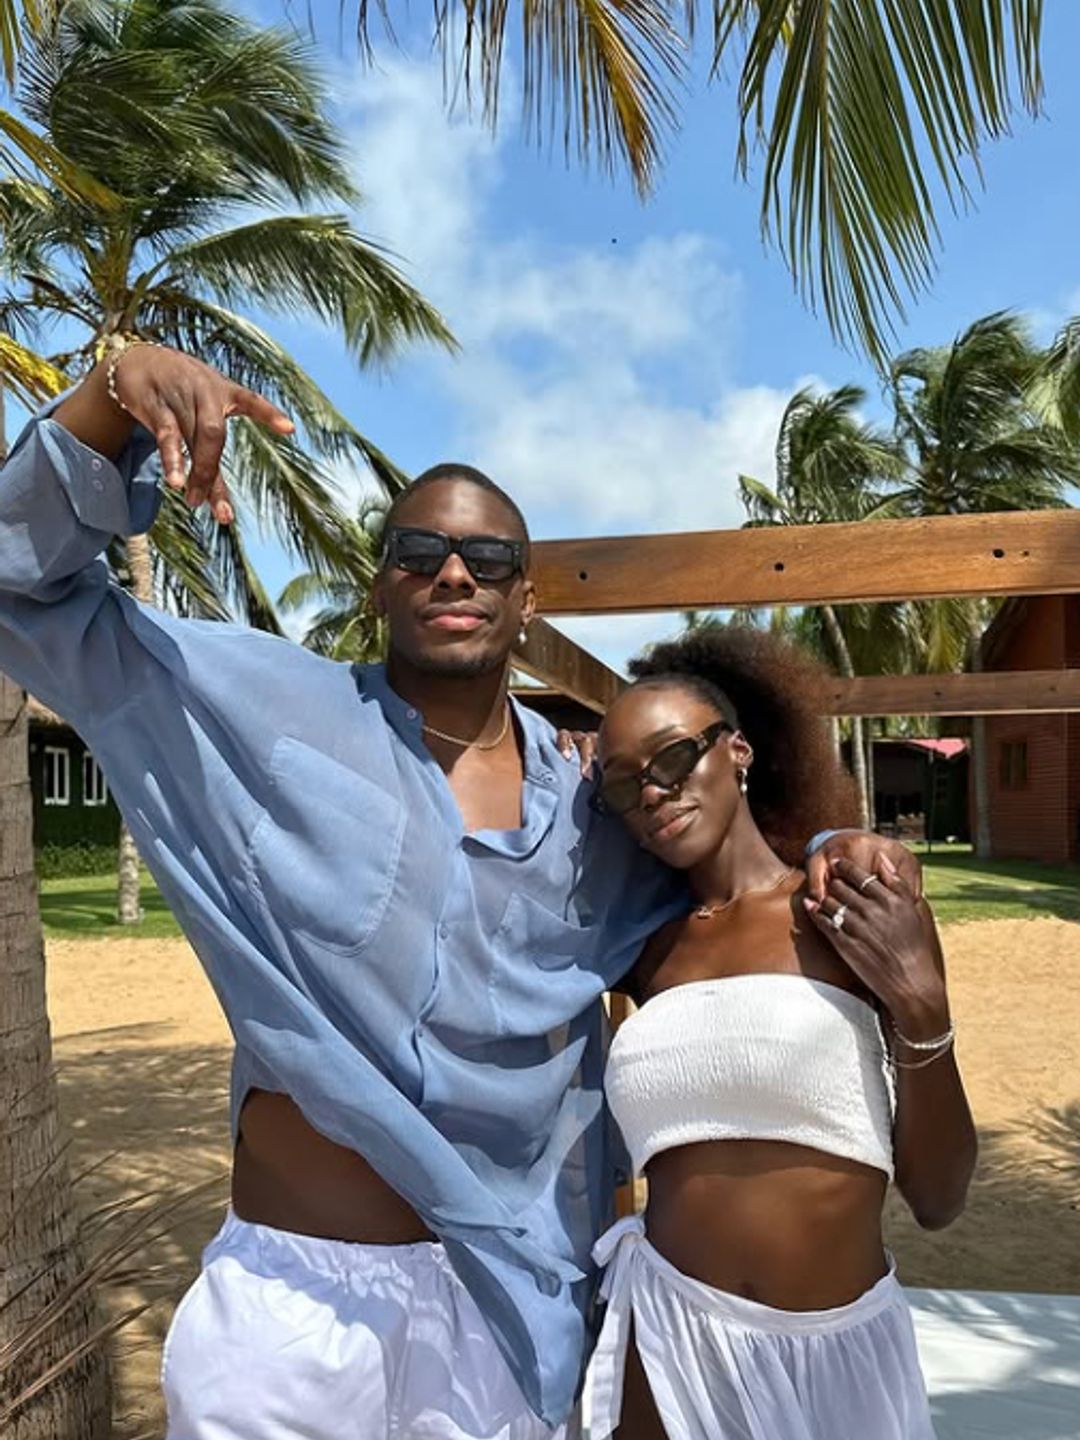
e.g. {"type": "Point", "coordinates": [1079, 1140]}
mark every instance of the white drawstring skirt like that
{"type": "Point", "coordinates": [724, 1368]}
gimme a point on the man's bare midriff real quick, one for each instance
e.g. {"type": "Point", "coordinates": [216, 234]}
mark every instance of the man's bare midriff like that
{"type": "Point", "coordinates": [287, 1175]}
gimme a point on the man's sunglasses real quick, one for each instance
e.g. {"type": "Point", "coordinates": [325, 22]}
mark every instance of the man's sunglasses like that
{"type": "Point", "coordinates": [667, 770]}
{"type": "Point", "coordinates": [425, 552]}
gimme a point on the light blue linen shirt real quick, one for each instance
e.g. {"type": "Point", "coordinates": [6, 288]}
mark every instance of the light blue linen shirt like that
{"type": "Point", "coordinates": [428, 997]}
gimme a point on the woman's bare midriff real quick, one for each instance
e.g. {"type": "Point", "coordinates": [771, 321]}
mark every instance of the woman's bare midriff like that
{"type": "Point", "coordinates": [781, 1224]}
{"type": "Point", "coordinates": [287, 1175]}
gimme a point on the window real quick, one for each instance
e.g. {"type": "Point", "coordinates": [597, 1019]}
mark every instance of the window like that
{"type": "Point", "coordinates": [1014, 765]}
{"type": "Point", "coordinates": [57, 775]}
{"type": "Point", "coordinates": [94, 789]}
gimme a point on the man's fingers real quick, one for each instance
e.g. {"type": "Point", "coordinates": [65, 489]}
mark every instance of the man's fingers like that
{"type": "Point", "coordinates": [255, 407]}
{"type": "Point", "coordinates": [170, 443]}
{"type": "Point", "coordinates": [817, 874]}
{"type": "Point", "coordinates": [220, 504]}
{"type": "Point", "coordinates": [910, 871]}
{"type": "Point", "coordinates": [206, 442]}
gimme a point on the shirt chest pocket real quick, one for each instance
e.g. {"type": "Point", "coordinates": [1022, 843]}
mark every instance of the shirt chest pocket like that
{"type": "Point", "coordinates": [543, 972]}
{"type": "Point", "coordinates": [325, 854]}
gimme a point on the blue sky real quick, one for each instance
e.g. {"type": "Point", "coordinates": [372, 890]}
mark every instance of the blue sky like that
{"type": "Point", "coordinates": [622, 362]}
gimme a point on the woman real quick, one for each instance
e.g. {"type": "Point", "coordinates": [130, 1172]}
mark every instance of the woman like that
{"type": "Point", "coordinates": [787, 1060]}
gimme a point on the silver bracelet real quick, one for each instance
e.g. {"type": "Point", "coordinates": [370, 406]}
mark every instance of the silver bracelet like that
{"type": "Point", "coordinates": [935, 1044]}
{"type": "Point", "coordinates": [922, 1064]}
{"type": "Point", "coordinates": [115, 357]}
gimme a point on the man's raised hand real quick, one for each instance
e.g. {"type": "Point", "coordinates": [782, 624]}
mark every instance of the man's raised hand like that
{"type": "Point", "coordinates": [186, 406]}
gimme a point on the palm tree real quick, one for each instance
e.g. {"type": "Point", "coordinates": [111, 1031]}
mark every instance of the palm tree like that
{"type": "Point", "coordinates": [973, 441]}
{"type": "Point", "coordinates": [865, 113]}
{"type": "Point", "coordinates": [344, 627]}
{"type": "Point", "coordinates": [830, 466]}
{"type": "Point", "coordinates": [203, 123]}
{"type": "Point", "coordinates": [41, 1257]}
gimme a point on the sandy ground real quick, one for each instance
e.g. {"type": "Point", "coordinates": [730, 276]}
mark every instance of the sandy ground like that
{"type": "Point", "coordinates": [143, 1056]}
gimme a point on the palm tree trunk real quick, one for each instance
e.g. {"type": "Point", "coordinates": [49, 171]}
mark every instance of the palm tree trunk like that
{"type": "Point", "coordinates": [858, 750]}
{"type": "Point", "coordinates": [39, 1241]}
{"type": "Point", "coordinates": [980, 757]}
{"type": "Point", "coordinates": [834, 736]}
{"type": "Point", "coordinates": [871, 802]}
{"type": "Point", "coordinates": [129, 909]}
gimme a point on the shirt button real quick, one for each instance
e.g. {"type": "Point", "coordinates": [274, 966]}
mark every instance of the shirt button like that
{"type": "Point", "coordinates": [410, 714]}
{"type": "Point", "coordinates": [444, 931]}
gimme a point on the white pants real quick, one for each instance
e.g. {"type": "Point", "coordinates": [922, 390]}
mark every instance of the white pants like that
{"type": "Point", "coordinates": [724, 1368]}
{"type": "Point", "coordinates": [286, 1337]}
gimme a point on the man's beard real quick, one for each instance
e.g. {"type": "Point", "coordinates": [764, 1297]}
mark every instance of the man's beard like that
{"type": "Point", "coordinates": [459, 667]}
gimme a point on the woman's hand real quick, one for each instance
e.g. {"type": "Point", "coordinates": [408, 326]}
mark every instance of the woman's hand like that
{"type": "Point", "coordinates": [890, 941]}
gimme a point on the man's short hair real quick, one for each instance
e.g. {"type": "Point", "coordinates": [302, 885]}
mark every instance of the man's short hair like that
{"type": "Point", "coordinates": [449, 470]}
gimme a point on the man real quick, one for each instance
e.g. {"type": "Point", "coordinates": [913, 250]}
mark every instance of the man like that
{"type": "Point", "coordinates": [407, 908]}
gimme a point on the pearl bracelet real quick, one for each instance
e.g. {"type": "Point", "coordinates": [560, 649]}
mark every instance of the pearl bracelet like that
{"type": "Point", "coordinates": [922, 1064]}
{"type": "Point", "coordinates": [118, 353]}
{"type": "Point", "coordinates": [935, 1044]}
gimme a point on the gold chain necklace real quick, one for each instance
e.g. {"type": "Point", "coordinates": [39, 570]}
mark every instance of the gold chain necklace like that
{"type": "Point", "coordinates": [706, 912]}
{"type": "Point", "coordinates": [471, 744]}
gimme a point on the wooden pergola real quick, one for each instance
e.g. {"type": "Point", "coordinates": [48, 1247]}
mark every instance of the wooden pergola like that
{"type": "Point", "coordinates": [1014, 553]}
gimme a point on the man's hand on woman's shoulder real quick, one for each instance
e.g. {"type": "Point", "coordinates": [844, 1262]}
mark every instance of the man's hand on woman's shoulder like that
{"type": "Point", "coordinates": [868, 851]}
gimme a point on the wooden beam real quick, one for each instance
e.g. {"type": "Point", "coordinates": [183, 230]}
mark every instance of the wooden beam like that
{"type": "Point", "coordinates": [1022, 553]}
{"type": "Point", "coordinates": [1020, 692]}
{"type": "Point", "coordinates": [552, 657]}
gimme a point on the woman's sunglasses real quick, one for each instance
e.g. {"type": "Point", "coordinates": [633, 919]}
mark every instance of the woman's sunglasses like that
{"type": "Point", "coordinates": [425, 552]}
{"type": "Point", "coordinates": [667, 770]}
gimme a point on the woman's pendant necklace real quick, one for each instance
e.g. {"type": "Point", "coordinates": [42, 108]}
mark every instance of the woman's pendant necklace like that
{"type": "Point", "coordinates": [706, 912]}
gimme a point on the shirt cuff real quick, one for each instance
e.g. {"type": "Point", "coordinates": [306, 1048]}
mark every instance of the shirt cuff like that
{"type": "Point", "coordinates": [118, 497]}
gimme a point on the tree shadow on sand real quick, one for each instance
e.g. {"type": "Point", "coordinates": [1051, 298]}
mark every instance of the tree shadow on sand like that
{"type": "Point", "coordinates": [150, 1125]}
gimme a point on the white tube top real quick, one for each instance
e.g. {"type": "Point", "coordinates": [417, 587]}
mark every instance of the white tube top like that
{"type": "Point", "coordinates": [753, 1057]}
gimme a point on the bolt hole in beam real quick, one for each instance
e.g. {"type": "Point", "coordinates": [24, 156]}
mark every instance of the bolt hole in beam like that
{"type": "Point", "coordinates": [999, 554]}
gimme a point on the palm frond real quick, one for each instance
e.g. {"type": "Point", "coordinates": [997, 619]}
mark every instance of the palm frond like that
{"type": "Point", "coordinates": [290, 495]}
{"type": "Point", "coordinates": [314, 263]}
{"type": "Point", "coordinates": [859, 107]}
{"type": "Point", "coordinates": [156, 83]}
{"type": "Point", "coordinates": [1056, 384]}
{"type": "Point", "coordinates": [603, 74]}
{"type": "Point", "coordinates": [29, 376]}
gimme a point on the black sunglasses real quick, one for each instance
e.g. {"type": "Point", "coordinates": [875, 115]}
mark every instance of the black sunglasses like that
{"type": "Point", "coordinates": [425, 552]}
{"type": "Point", "coordinates": [667, 770]}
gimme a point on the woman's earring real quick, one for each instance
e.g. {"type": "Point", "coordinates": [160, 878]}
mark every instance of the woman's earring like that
{"type": "Point", "coordinates": [523, 635]}
{"type": "Point", "coordinates": [742, 782]}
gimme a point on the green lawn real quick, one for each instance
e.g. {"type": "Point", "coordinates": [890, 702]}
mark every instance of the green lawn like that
{"type": "Point", "coordinates": [963, 888]}
{"type": "Point", "coordinates": [86, 905]}
{"type": "Point", "coordinates": [960, 887]}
